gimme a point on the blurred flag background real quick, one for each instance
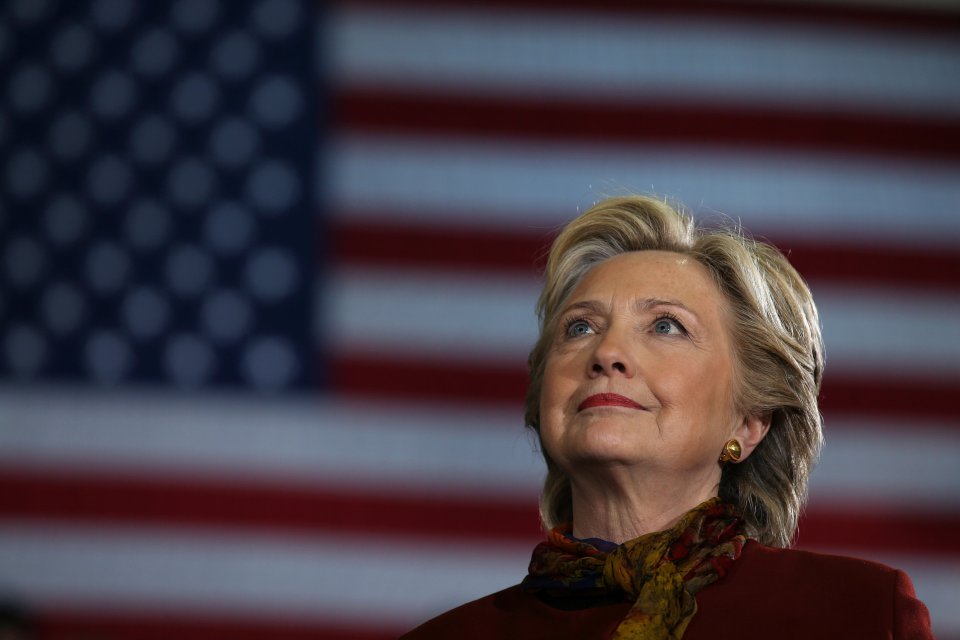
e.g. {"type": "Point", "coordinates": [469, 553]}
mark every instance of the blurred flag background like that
{"type": "Point", "coordinates": [268, 267]}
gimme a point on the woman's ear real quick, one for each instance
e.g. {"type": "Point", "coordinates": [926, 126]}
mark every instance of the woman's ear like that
{"type": "Point", "coordinates": [751, 432]}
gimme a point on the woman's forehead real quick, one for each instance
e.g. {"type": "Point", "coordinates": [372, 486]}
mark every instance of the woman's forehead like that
{"type": "Point", "coordinates": [651, 275]}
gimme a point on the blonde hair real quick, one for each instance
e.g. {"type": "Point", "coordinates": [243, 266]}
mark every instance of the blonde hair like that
{"type": "Point", "coordinates": [777, 344]}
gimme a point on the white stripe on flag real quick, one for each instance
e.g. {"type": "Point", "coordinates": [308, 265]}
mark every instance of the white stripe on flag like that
{"type": "Point", "coordinates": [388, 448]}
{"type": "Point", "coordinates": [317, 577]}
{"type": "Point", "coordinates": [472, 318]}
{"type": "Point", "coordinates": [398, 447]}
{"type": "Point", "coordinates": [615, 57]}
{"type": "Point", "coordinates": [857, 459]}
{"type": "Point", "coordinates": [541, 186]}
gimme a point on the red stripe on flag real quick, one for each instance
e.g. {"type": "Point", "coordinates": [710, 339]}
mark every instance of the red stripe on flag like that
{"type": "Point", "coordinates": [450, 381]}
{"type": "Point", "coordinates": [912, 397]}
{"type": "Point", "coordinates": [849, 527]}
{"type": "Point", "coordinates": [930, 19]}
{"type": "Point", "coordinates": [235, 504]}
{"type": "Point", "coordinates": [914, 268]}
{"type": "Point", "coordinates": [675, 123]}
{"type": "Point", "coordinates": [68, 624]}
{"type": "Point", "coordinates": [228, 503]}
{"type": "Point", "coordinates": [411, 244]}
{"type": "Point", "coordinates": [421, 379]}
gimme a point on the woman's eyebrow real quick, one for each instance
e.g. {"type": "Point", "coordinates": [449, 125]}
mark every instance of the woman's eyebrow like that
{"type": "Point", "coordinates": [593, 306]}
{"type": "Point", "coordinates": [640, 306]}
{"type": "Point", "coordinates": [646, 304]}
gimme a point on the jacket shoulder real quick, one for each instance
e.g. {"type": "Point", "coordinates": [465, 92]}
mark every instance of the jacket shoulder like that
{"type": "Point", "coordinates": [470, 616]}
{"type": "Point", "coordinates": [807, 593]}
{"type": "Point", "coordinates": [813, 562]}
{"type": "Point", "coordinates": [514, 613]}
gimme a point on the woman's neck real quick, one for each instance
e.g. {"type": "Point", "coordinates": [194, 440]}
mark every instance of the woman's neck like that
{"type": "Point", "coordinates": [620, 508]}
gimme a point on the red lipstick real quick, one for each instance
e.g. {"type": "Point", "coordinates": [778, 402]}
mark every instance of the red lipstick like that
{"type": "Point", "coordinates": [608, 400]}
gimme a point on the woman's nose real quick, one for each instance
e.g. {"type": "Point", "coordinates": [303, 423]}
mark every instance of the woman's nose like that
{"type": "Point", "coordinates": [612, 357]}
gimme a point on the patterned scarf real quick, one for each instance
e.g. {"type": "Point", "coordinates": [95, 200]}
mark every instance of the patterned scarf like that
{"type": "Point", "coordinates": [663, 570]}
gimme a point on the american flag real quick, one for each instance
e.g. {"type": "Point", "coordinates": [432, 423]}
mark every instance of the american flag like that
{"type": "Point", "coordinates": [268, 271]}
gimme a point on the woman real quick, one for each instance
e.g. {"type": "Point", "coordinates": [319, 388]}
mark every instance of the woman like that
{"type": "Point", "coordinates": [674, 391]}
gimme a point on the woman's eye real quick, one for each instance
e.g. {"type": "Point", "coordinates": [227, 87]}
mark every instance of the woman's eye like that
{"type": "Point", "coordinates": [667, 326]}
{"type": "Point", "coordinates": [578, 328]}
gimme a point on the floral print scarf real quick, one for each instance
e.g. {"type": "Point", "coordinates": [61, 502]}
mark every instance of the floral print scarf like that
{"type": "Point", "coordinates": [661, 571]}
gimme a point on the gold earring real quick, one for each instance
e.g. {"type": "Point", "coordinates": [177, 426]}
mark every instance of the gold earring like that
{"type": "Point", "coordinates": [731, 451]}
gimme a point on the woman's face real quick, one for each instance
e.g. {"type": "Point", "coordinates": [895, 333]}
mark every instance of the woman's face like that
{"type": "Point", "coordinates": [641, 369]}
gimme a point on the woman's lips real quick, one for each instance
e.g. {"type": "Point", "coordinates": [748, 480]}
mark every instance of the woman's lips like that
{"type": "Point", "coordinates": [608, 400]}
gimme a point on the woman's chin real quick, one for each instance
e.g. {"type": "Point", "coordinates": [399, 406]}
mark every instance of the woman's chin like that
{"type": "Point", "coordinates": [606, 444]}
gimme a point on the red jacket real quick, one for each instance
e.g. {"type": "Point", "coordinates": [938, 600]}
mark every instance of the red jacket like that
{"type": "Point", "coordinates": [768, 593]}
